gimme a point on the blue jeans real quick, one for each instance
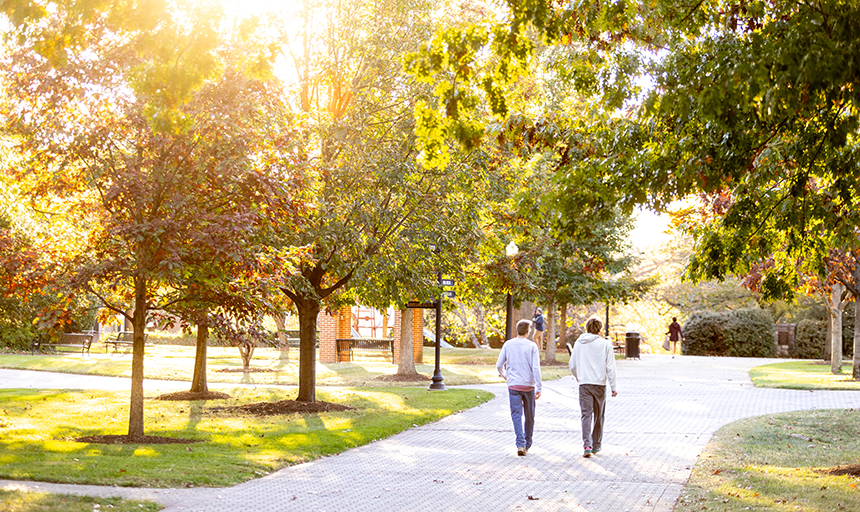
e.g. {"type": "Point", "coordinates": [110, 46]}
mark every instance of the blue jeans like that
{"type": "Point", "coordinates": [523, 404]}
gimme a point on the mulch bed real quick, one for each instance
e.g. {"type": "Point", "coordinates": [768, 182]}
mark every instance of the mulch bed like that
{"type": "Point", "coordinates": [249, 370]}
{"type": "Point", "coordinates": [284, 407]}
{"type": "Point", "coordinates": [126, 439]}
{"type": "Point", "coordinates": [851, 470]}
{"type": "Point", "coordinates": [195, 395]}
{"type": "Point", "coordinates": [403, 378]}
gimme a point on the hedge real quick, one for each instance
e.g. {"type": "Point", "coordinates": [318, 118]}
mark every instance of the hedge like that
{"type": "Point", "coordinates": [809, 339]}
{"type": "Point", "coordinates": [745, 332]}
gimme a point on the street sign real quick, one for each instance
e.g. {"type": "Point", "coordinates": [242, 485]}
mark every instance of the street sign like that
{"type": "Point", "coordinates": [449, 294]}
{"type": "Point", "coordinates": [446, 282]}
{"type": "Point", "coordinates": [414, 304]}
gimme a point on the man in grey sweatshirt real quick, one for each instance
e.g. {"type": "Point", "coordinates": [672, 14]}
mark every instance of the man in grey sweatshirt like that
{"type": "Point", "coordinates": [592, 363]}
{"type": "Point", "coordinates": [519, 365]}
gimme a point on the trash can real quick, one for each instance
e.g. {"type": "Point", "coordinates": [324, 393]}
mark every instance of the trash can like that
{"type": "Point", "coordinates": [631, 345]}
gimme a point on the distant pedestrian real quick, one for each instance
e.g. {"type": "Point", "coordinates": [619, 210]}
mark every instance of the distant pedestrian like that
{"type": "Point", "coordinates": [675, 333]}
{"type": "Point", "coordinates": [592, 363]}
{"type": "Point", "coordinates": [519, 365]}
{"type": "Point", "coordinates": [539, 328]}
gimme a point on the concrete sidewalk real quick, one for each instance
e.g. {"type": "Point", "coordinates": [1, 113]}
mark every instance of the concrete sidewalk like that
{"type": "Point", "coordinates": [666, 411]}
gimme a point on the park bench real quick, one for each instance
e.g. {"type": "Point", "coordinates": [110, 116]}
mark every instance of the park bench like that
{"type": "Point", "coordinates": [375, 348]}
{"type": "Point", "coordinates": [619, 343]}
{"type": "Point", "coordinates": [67, 339]}
{"type": "Point", "coordinates": [122, 338]}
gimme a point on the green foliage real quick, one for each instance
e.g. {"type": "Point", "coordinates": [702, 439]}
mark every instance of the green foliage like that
{"type": "Point", "coordinates": [745, 332]}
{"type": "Point", "coordinates": [704, 335]}
{"type": "Point", "coordinates": [749, 333]}
{"type": "Point", "coordinates": [810, 337]}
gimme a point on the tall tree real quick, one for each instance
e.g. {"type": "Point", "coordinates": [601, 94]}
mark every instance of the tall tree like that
{"type": "Point", "coordinates": [127, 115]}
{"type": "Point", "coordinates": [364, 192]}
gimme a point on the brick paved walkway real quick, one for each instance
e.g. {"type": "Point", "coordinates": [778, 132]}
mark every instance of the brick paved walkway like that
{"type": "Point", "coordinates": [666, 411]}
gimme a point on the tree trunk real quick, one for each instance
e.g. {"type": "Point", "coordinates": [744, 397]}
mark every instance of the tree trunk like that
{"type": "Point", "coordinates": [478, 311]}
{"type": "Point", "coordinates": [563, 334]}
{"type": "Point", "coordinates": [406, 362]}
{"type": "Point", "coordinates": [836, 306]}
{"type": "Point", "coordinates": [550, 333]}
{"type": "Point", "coordinates": [283, 339]}
{"type": "Point", "coordinates": [828, 340]}
{"type": "Point", "coordinates": [138, 320]}
{"type": "Point", "coordinates": [198, 379]}
{"type": "Point", "coordinates": [461, 314]}
{"type": "Point", "coordinates": [246, 350]}
{"type": "Point", "coordinates": [855, 368]}
{"type": "Point", "coordinates": [308, 309]}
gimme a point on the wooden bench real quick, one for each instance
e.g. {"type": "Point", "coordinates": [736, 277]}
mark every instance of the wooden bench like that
{"type": "Point", "coordinates": [124, 338]}
{"type": "Point", "coordinates": [67, 339]}
{"type": "Point", "coordinates": [349, 348]}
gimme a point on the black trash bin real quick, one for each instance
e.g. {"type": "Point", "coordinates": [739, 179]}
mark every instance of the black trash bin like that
{"type": "Point", "coordinates": [631, 345]}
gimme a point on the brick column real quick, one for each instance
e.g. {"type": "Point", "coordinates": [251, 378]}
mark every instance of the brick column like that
{"type": "Point", "coordinates": [418, 335]}
{"type": "Point", "coordinates": [344, 322]}
{"type": "Point", "coordinates": [327, 325]}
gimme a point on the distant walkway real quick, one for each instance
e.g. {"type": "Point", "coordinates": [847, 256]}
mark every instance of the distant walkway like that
{"type": "Point", "coordinates": [665, 413]}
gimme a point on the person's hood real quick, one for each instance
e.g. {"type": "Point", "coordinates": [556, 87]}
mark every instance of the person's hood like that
{"type": "Point", "coordinates": [588, 338]}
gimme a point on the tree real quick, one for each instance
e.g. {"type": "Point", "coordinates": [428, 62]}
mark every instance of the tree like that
{"type": "Point", "coordinates": [163, 170]}
{"type": "Point", "coordinates": [366, 198]}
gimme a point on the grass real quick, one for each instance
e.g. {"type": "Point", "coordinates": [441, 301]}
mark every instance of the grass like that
{"type": "Point", "coordinates": [802, 375]}
{"type": "Point", "coordinates": [459, 366]}
{"type": "Point", "coordinates": [20, 501]}
{"type": "Point", "coordinates": [768, 463]}
{"type": "Point", "coordinates": [37, 428]}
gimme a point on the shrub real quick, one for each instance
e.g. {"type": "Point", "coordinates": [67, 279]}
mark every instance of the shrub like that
{"type": "Point", "coordinates": [703, 335]}
{"type": "Point", "coordinates": [809, 339]}
{"type": "Point", "coordinates": [749, 332]}
{"type": "Point", "coordinates": [742, 333]}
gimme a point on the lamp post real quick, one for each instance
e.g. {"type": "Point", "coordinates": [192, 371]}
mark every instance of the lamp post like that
{"type": "Point", "coordinates": [437, 378]}
{"type": "Point", "coordinates": [510, 251]}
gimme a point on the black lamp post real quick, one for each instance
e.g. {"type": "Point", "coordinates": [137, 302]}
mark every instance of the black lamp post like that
{"type": "Point", "coordinates": [437, 379]}
{"type": "Point", "coordinates": [510, 251]}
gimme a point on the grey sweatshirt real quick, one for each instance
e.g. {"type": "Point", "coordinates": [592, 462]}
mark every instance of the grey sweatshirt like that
{"type": "Point", "coordinates": [519, 363]}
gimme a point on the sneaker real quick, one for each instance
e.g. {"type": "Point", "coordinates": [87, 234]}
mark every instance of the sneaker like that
{"type": "Point", "coordinates": [594, 451]}
{"type": "Point", "coordinates": [521, 451]}
{"type": "Point", "coordinates": [587, 452]}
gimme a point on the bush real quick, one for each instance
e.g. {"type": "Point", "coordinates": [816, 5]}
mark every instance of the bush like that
{"type": "Point", "coordinates": [703, 335]}
{"type": "Point", "coordinates": [749, 332]}
{"type": "Point", "coordinates": [16, 337]}
{"type": "Point", "coordinates": [809, 339]}
{"type": "Point", "coordinates": [742, 333]}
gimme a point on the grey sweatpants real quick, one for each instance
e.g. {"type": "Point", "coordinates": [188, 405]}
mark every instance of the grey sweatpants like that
{"type": "Point", "coordinates": [592, 403]}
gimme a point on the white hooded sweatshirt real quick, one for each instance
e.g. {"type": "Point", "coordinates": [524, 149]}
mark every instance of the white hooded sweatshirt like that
{"type": "Point", "coordinates": [593, 361]}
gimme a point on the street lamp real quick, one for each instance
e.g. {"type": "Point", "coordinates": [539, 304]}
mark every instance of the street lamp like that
{"type": "Point", "coordinates": [510, 251]}
{"type": "Point", "coordinates": [437, 379]}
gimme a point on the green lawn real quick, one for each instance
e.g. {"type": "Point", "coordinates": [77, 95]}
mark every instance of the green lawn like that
{"type": "Point", "coordinates": [803, 375]}
{"type": "Point", "coordinates": [770, 463]}
{"type": "Point", "coordinates": [37, 428]}
{"type": "Point", "coordinates": [171, 362]}
{"type": "Point", "coordinates": [19, 501]}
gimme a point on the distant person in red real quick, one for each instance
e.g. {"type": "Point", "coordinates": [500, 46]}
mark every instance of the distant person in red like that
{"type": "Point", "coordinates": [675, 333]}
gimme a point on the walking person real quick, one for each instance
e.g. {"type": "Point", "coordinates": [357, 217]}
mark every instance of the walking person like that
{"type": "Point", "coordinates": [539, 328]}
{"type": "Point", "coordinates": [592, 363]}
{"type": "Point", "coordinates": [519, 365]}
{"type": "Point", "coordinates": [675, 333]}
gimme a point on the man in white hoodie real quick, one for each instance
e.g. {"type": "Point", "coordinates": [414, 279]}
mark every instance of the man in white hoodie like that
{"type": "Point", "coordinates": [592, 363]}
{"type": "Point", "coordinates": [519, 365]}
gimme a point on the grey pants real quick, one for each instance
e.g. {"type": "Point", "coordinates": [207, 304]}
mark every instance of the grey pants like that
{"type": "Point", "coordinates": [592, 403]}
